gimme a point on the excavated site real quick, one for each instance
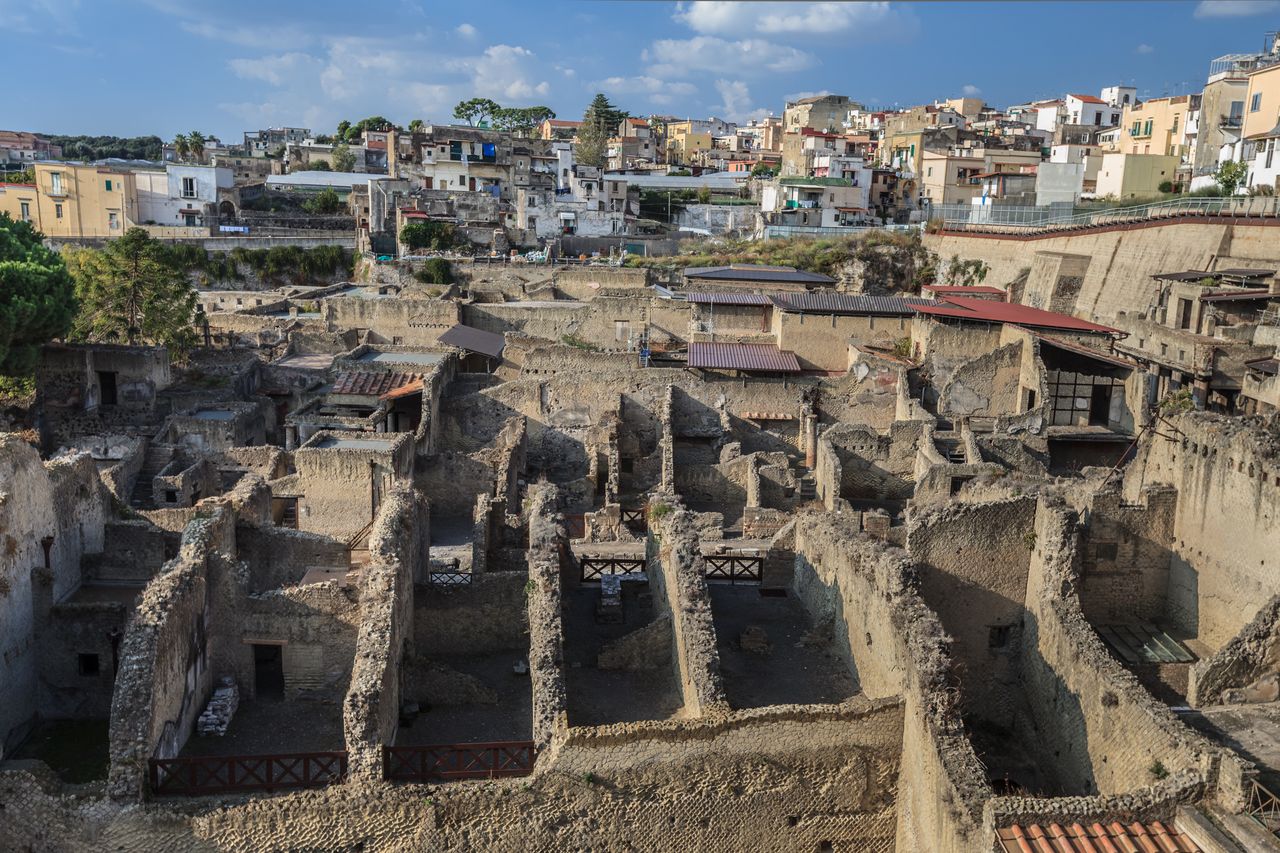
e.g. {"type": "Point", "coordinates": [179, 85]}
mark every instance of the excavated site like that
{"type": "Point", "coordinates": [568, 559]}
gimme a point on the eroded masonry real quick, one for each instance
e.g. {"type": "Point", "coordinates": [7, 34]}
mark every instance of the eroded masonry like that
{"type": "Point", "coordinates": [567, 559]}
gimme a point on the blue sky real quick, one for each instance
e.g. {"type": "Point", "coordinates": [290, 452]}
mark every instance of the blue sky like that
{"type": "Point", "coordinates": [131, 67]}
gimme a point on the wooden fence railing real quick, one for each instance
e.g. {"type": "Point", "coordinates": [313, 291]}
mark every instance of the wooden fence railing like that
{"type": "Point", "coordinates": [458, 761]}
{"type": "Point", "coordinates": [594, 568]}
{"type": "Point", "coordinates": [216, 774]}
{"type": "Point", "coordinates": [734, 568]}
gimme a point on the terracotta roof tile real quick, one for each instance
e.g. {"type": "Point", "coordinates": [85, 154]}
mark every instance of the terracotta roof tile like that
{"type": "Point", "coordinates": [371, 383]}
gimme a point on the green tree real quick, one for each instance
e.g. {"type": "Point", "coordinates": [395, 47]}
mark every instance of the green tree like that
{"type": "Point", "coordinates": [325, 201]}
{"type": "Point", "coordinates": [1230, 176]}
{"type": "Point", "coordinates": [965, 273]}
{"type": "Point", "coordinates": [133, 291]}
{"type": "Point", "coordinates": [521, 121]}
{"type": "Point", "coordinates": [603, 112]}
{"type": "Point", "coordinates": [416, 125]}
{"type": "Point", "coordinates": [182, 146]}
{"type": "Point", "coordinates": [343, 159]}
{"type": "Point", "coordinates": [22, 176]}
{"type": "Point", "coordinates": [599, 123]}
{"type": "Point", "coordinates": [763, 170]}
{"type": "Point", "coordinates": [196, 140]}
{"type": "Point", "coordinates": [37, 298]}
{"type": "Point", "coordinates": [343, 127]}
{"type": "Point", "coordinates": [428, 235]}
{"type": "Point", "coordinates": [376, 123]}
{"type": "Point", "coordinates": [476, 111]}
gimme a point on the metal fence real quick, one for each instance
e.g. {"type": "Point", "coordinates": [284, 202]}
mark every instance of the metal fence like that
{"type": "Point", "coordinates": [218, 774]}
{"type": "Point", "coordinates": [458, 761]}
{"type": "Point", "coordinates": [961, 216]}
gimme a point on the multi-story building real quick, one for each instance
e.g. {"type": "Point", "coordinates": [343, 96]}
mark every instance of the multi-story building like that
{"type": "Point", "coordinates": [246, 169]}
{"type": "Point", "coordinates": [179, 195]}
{"type": "Point", "coordinates": [19, 201]}
{"type": "Point", "coordinates": [824, 202]}
{"type": "Point", "coordinates": [1221, 112]}
{"type": "Point", "coordinates": [20, 147]}
{"type": "Point", "coordinates": [558, 128]}
{"type": "Point", "coordinates": [456, 158]}
{"type": "Point", "coordinates": [260, 143]}
{"type": "Point", "coordinates": [801, 149]}
{"type": "Point", "coordinates": [1261, 129]}
{"type": "Point", "coordinates": [1120, 96]}
{"type": "Point", "coordinates": [820, 112]}
{"type": "Point", "coordinates": [1159, 126]}
{"type": "Point", "coordinates": [84, 200]}
{"type": "Point", "coordinates": [582, 201]}
{"type": "Point", "coordinates": [956, 175]}
{"type": "Point", "coordinates": [1136, 175]}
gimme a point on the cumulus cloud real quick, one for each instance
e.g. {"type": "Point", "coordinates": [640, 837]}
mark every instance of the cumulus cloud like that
{"type": "Point", "coordinates": [795, 96]}
{"type": "Point", "coordinates": [736, 101]}
{"type": "Point", "coordinates": [657, 92]}
{"type": "Point", "coordinates": [275, 69]}
{"type": "Point", "coordinates": [1235, 8]}
{"type": "Point", "coordinates": [725, 17]}
{"type": "Point", "coordinates": [506, 71]}
{"type": "Point", "coordinates": [466, 31]}
{"type": "Point", "coordinates": [1144, 48]}
{"type": "Point", "coordinates": [673, 57]}
{"type": "Point", "coordinates": [969, 90]}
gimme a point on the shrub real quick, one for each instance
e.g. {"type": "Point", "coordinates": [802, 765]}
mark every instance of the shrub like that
{"type": "Point", "coordinates": [1165, 186]}
{"type": "Point", "coordinates": [435, 271]}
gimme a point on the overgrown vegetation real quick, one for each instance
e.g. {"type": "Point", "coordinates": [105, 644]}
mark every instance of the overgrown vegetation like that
{"type": "Point", "coordinates": [101, 147]}
{"type": "Point", "coordinates": [435, 271]}
{"type": "Point", "coordinates": [37, 297]}
{"type": "Point", "coordinates": [324, 202]}
{"type": "Point", "coordinates": [579, 343]}
{"type": "Point", "coordinates": [436, 236]}
{"type": "Point", "coordinates": [279, 264]}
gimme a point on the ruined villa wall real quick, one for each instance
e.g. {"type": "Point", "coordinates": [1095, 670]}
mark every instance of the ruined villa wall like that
{"type": "Point", "coordinates": [1251, 654]}
{"type": "Point", "coordinates": [680, 592]}
{"type": "Point", "coordinates": [165, 675]}
{"type": "Point", "coordinates": [547, 544]}
{"type": "Point", "coordinates": [1124, 555]}
{"type": "Point", "coordinates": [1098, 728]}
{"type": "Point", "coordinates": [972, 560]}
{"type": "Point", "coordinates": [398, 543]}
{"type": "Point", "coordinates": [279, 556]}
{"type": "Point", "coordinates": [63, 499]}
{"type": "Point", "coordinates": [898, 648]}
{"type": "Point", "coordinates": [1227, 473]}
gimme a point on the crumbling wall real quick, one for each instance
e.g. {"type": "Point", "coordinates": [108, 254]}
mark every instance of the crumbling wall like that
{"type": "Point", "coordinates": [972, 560]}
{"type": "Point", "coordinates": [1098, 730]}
{"type": "Point", "coordinates": [985, 386]}
{"type": "Point", "coordinates": [279, 556]}
{"type": "Point", "coordinates": [484, 616]}
{"type": "Point", "coordinates": [1124, 556]}
{"type": "Point", "coordinates": [165, 677]}
{"type": "Point", "coordinates": [674, 569]}
{"type": "Point", "coordinates": [398, 543]}
{"type": "Point", "coordinates": [133, 550]}
{"type": "Point", "coordinates": [1227, 474]}
{"type": "Point", "coordinates": [64, 503]}
{"type": "Point", "coordinates": [1246, 668]}
{"type": "Point", "coordinates": [547, 545]}
{"type": "Point", "coordinates": [897, 648]}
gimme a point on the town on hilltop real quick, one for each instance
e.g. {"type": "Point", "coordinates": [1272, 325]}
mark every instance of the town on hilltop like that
{"type": "Point", "coordinates": [854, 479]}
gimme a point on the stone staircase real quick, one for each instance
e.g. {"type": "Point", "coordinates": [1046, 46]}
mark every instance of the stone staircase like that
{"type": "Point", "coordinates": [808, 488]}
{"type": "Point", "coordinates": [951, 447]}
{"type": "Point", "coordinates": [158, 456]}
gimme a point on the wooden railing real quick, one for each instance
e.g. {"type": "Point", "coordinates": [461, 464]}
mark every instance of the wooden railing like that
{"type": "Point", "coordinates": [449, 578]}
{"type": "Point", "coordinates": [635, 519]}
{"type": "Point", "coordinates": [216, 774]}
{"type": "Point", "coordinates": [458, 761]}
{"type": "Point", "coordinates": [594, 568]}
{"type": "Point", "coordinates": [735, 568]}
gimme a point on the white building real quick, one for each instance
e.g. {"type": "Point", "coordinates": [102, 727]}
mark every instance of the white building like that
{"type": "Point", "coordinates": [185, 195]}
{"type": "Point", "coordinates": [586, 201]}
{"type": "Point", "coordinates": [1088, 110]}
{"type": "Point", "coordinates": [1120, 96]}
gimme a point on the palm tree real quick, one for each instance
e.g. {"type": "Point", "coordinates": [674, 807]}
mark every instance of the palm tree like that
{"type": "Point", "coordinates": [181, 146]}
{"type": "Point", "coordinates": [196, 140]}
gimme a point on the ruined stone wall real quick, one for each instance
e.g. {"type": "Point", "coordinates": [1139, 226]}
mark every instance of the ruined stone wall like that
{"type": "Point", "coordinates": [133, 550]}
{"type": "Point", "coordinates": [945, 347]}
{"type": "Point", "coordinates": [1227, 473]}
{"type": "Point", "coordinates": [856, 462]}
{"type": "Point", "coordinates": [165, 676]}
{"type": "Point", "coordinates": [986, 386]}
{"type": "Point", "coordinates": [484, 616]}
{"type": "Point", "coordinates": [897, 648]}
{"type": "Point", "coordinates": [547, 546]}
{"type": "Point", "coordinates": [316, 626]}
{"type": "Point", "coordinates": [400, 320]}
{"type": "Point", "coordinates": [1124, 556]}
{"type": "Point", "coordinates": [398, 543]}
{"type": "Point", "coordinates": [1232, 672]}
{"type": "Point", "coordinates": [1098, 730]}
{"type": "Point", "coordinates": [65, 501]}
{"type": "Point", "coordinates": [337, 483]}
{"type": "Point", "coordinates": [70, 630]}
{"type": "Point", "coordinates": [279, 556]}
{"type": "Point", "coordinates": [972, 561]}
{"type": "Point", "coordinates": [822, 342]}
{"type": "Point", "coordinates": [674, 569]}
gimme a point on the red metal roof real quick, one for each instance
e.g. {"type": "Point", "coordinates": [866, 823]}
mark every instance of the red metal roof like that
{"type": "Point", "coordinates": [371, 383]}
{"type": "Point", "coordinates": [961, 290]}
{"type": "Point", "coordinates": [1088, 99]}
{"type": "Point", "coordinates": [748, 357]}
{"type": "Point", "coordinates": [732, 298]}
{"type": "Point", "coordinates": [990, 311]}
{"type": "Point", "coordinates": [1113, 837]}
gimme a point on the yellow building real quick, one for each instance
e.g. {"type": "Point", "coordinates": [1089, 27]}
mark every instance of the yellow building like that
{"type": "Point", "coordinates": [19, 201]}
{"type": "Point", "coordinates": [1262, 102]}
{"type": "Point", "coordinates": [683, 144]}
{"type": "Point", "coordinates": [1158, 126]}
{"type": "Point", "coordinates": [78, 200]}
{"type": "Point", "coordinates": [1135, 175]}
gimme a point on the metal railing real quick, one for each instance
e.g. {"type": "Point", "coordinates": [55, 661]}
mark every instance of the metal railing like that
{"type": "Point", "coordinates": [1061, 217]}
{"type": "Point", "coordinates": [449, 578]}
{"type": "Point", "coordinates": [216, 774]}
{"type": "Point", "coordinates": [1264, 807]}
{"type": "Point", "coordinates": [458, 761]}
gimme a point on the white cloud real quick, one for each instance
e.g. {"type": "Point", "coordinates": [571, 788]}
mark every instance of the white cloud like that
{"type": "Point", "coordinates": [969, 90]}
{"type": "Point", "coordinates": [675, 57]}
{"type": "Point", "coordinates": [1235, 8]}
{"type": "Point", "coordinates": [736, 101]}
{"type": "Point", "coordinates": [277, 69]}
{"type": "Point", "coordinates": [795, 96]}
{"type": "Point", "coordinates": [644, 85]}
{"type": "Point", "coordinates": [725, 17]}
{"type": "Point", "coordinates": [507, 72]}
{"type": "Point", "coordinates": [1144, 49]}
{"type": "Point", "coordinates": [466, 31]}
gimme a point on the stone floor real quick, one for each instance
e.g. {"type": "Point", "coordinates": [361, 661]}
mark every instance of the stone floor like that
{"type": "Point", "coordinates": [596, 696]}
{"type": "Point", "coordinates": [74, 749]}
{"type": "Point", "coordinates": [510, 718]}
{"type": "Point", "coordinates": [266, 726]}
{"type": "Point", "coordinates": [770, 652]}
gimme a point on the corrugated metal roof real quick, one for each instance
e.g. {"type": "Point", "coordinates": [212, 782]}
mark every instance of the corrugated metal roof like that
{"type": "Point", "coordinates": [728, 299]}
{"type": "Point", "coordinates": [1265, 365]}
{"type": "Point", "coordinates": [990, 311]}
{"type": "Point", "coordinates": [1107, 357]}
{"type": "Point", "coordinates": [371, 383]}
{"type": "Point", "coordinates": [749, 357]}
{"type": "Point", "coordinates": [1154, 837]}
{"type": "Point", "coordinates": [826, 302]}
{"type": "Point", "coordinates": [756, 272]}
{"type": "Point", "coordinates": [961, 290]}
{"type": "Point", "coordinates": [474, 340]}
